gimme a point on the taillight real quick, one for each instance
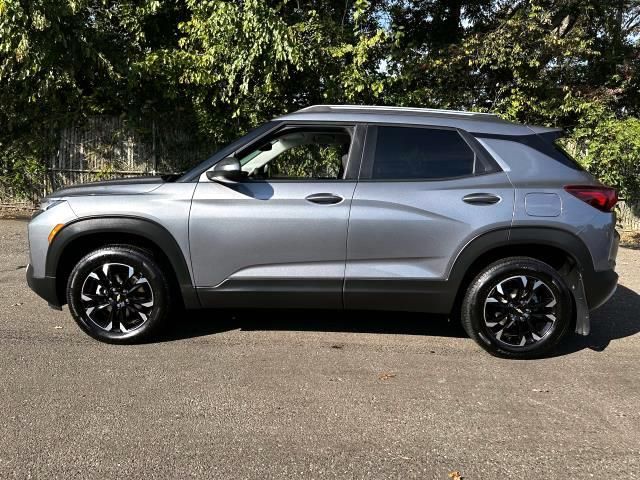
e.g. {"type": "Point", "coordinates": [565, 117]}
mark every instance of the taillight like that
{"type": "Point", "coordinates": [602, 198]}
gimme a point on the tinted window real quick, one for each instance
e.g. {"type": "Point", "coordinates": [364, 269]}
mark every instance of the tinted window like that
{"type": "Point", "coordinates": [563, 156]}
{"type": "Point", "coordinates": [421, 153]}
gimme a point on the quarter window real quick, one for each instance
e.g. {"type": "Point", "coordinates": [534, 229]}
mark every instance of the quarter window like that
{"type": "Point", "coordinates": [421, 153]}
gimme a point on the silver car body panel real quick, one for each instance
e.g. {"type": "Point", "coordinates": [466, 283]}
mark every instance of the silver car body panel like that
{"type": "Point", "coordinates": [167, 204]}
{"type": "Point", "coordinates": [414, 230]}
{"type": "Point", "coordinates": [268, 230]}
{"type": "Point", "coordinates": [533, 172]}
{"type": "Point", "coordinates": [38, 232]}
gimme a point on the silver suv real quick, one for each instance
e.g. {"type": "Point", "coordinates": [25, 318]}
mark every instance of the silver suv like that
{"type": "Point", "coordinates": [344, 207]}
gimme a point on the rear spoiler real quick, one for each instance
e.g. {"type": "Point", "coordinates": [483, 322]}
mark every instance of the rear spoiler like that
{"type": "Point", "coordinates": [548, 134]}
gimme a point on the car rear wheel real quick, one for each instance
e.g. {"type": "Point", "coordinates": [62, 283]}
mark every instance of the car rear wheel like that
{"type": "Point", "coordinates": [518, 307]}
{"type": "Point", "coordinates": [118, 294]}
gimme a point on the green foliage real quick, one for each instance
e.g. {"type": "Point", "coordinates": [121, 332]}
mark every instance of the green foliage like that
{"type": "Point", "coordinates": [361, 58]}
{"type": "Point", "coordinates": [611, 151]}
{"type": "Point", "coordinates": [62, 59]}
{"type": "Point", "coordinates": [21, 168]}
{"type": "Point", "coordinates": [308, 161]}
{"type": "Point", "coordinates": [235, 58]}
{"type": "Point", "coordinates": [221, 67]}
{"type": "Point", "coordinates": [245, 62]}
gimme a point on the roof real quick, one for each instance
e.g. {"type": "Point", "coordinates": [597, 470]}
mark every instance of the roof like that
{"type": "Point", "coordinates": [387, 110]}
{"type": "Point", "coordinates": [475, 122]}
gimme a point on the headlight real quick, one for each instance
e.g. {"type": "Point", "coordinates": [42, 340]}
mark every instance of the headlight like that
{"type": "Point", "coordinates": [48, 203]}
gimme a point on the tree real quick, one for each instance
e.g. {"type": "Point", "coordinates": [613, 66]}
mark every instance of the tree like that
{"type": "Point", "coordinates": [63, 59]}
{"type": "Point", "coordinates": [221, 67]}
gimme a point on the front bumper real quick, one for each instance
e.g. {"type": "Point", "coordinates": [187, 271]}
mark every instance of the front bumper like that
{"type": "Point", "coordinates": [45, 287]}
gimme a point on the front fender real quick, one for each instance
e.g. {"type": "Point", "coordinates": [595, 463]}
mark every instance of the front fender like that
{"type": "Point", "coordinates": [141, 227]}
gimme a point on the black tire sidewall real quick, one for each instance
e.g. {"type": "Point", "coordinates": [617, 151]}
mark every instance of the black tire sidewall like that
{"type": "Point", "coordinates": [140, 261]}
{"type": "Point", "coordinates": [473, 306]}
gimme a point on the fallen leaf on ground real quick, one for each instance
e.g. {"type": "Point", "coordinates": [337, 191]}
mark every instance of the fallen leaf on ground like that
{"type": "Point", "coordinates": [386, 375]}
{"type": "Point", "coordinates": [455, 475]}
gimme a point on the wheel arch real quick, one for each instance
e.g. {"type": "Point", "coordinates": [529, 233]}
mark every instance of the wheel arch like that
{"type": "Point", "coordinates": [83, 235]}
{"type": "Point", "coordinates": [560, 249]}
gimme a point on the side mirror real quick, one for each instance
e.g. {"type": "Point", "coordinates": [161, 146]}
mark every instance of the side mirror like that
{"type": "Point", "coordinates": [228, 169]}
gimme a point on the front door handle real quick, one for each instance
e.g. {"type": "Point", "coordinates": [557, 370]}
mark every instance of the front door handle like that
{"type": "Point", "coordinates": [481, 198]}
{"type": "Point", "coordinates": [324, 198]}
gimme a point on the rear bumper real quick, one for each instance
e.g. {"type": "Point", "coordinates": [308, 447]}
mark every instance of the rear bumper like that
{"type": "Point", "coordinates": [599, 287]}
{"type": "Point", "coordinates": [45, 287]}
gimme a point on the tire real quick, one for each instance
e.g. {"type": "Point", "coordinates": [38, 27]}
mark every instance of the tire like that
{"type": "Point", "coordinates": [119, 294]}
{"type": "Point", "coordinates": [541, 311]}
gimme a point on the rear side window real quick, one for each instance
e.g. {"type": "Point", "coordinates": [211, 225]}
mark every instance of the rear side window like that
{"type": "Point", "coordinates": [561, 154]}
{"type": "Point", "coordinates": [406, 153]}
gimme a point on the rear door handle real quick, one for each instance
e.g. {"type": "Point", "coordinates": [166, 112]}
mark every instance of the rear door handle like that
{"type": "Point", "coordinates": [324, 198]}
{"type": "Point", "coordinates": [481, 198]}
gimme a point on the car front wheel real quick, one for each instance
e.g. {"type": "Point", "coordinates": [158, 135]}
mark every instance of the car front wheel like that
{"type": "Point", "coordinates": [118, 294]}
{"type": "Point", "coordinates": [518, 307]}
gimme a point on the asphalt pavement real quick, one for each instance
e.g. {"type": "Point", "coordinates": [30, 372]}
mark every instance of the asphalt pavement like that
{"type": "Point", "coordinates": [256, 394]}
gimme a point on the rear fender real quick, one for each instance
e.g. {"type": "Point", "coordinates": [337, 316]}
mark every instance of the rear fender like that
{"type": "Point", "coordinates": [581, 271]}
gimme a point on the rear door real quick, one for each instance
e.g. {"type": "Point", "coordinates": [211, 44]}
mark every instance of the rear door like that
{"type": "Point", "coordinates": [423, 193]}
{"type": "Point", "coordinates": [279, 237]}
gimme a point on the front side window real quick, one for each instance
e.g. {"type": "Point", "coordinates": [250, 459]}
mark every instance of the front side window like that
{"type": "Point", "coordinates": [408, 153]}
{"type": "Point", "coordinates": [300, 154]}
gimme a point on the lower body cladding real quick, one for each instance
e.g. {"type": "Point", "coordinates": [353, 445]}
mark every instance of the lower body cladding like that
{"type": "Point", "coordinates": [413, 296]}
{"type": "Point", "coordinates": [590, 291]}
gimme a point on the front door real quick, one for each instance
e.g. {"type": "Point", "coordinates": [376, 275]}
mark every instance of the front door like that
{"type": "Point", "coordinates": [278, 238]}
